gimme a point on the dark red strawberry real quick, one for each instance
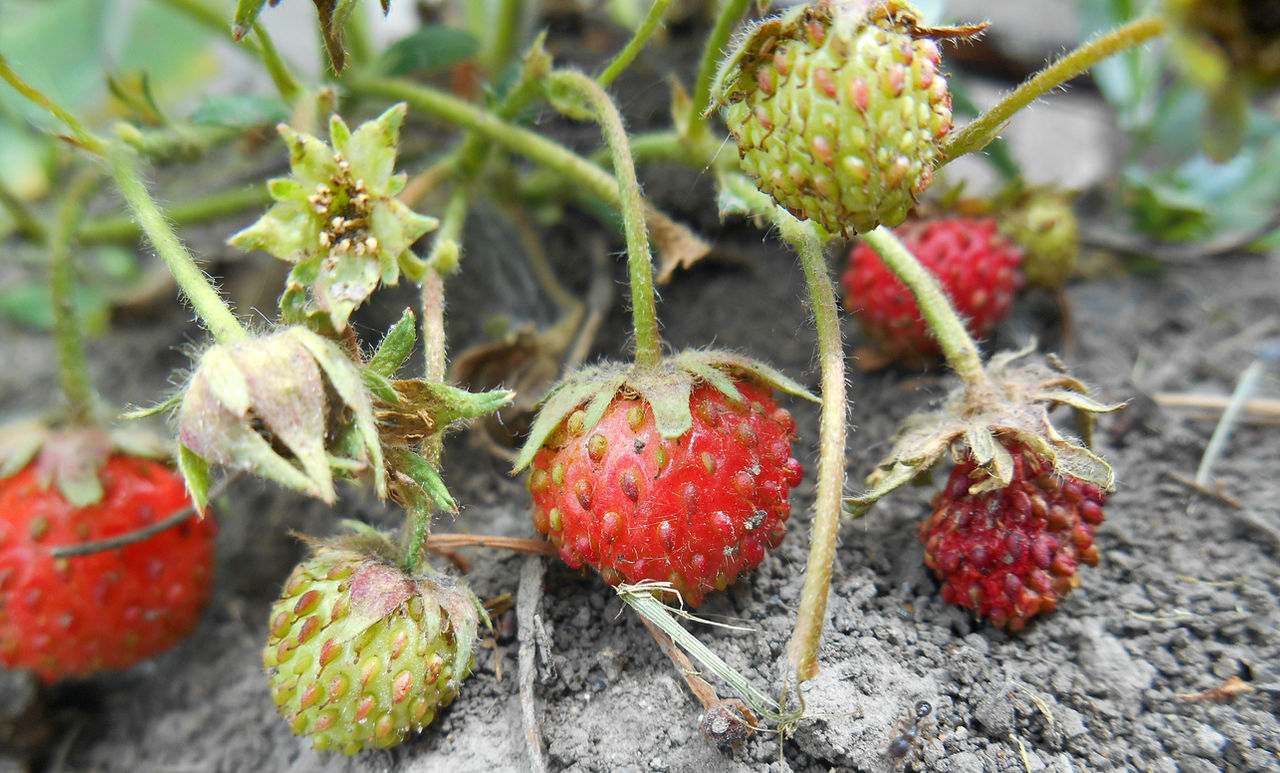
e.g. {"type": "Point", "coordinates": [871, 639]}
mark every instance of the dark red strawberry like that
{"type": "Point", "coordinates": [695, 509]}
{"type": "Point", "coordinates": [1011, 553]}
{"type": "Point", "coordinates": [978, 270]}
{"type": "Point", "coordinates": [72, 617]}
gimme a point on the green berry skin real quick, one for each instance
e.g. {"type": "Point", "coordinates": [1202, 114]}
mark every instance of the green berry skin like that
{"type": "Point", "coordinates": [1046, 229]}
{"type": "Point", "coordinates": [838, 114]}
{"type": "Point", "coordinates": [360, 653]}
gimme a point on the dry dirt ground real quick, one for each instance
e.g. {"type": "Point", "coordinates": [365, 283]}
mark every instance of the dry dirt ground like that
{"type": "Point", "coordinates": [1186, 597]}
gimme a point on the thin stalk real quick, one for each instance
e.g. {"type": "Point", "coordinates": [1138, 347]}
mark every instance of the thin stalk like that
{"type": "Point", "coordinates": [200, 292]}
{"type": "Point", "coordinates": [628, 53]}
{"type": "Point", "coordinates": [23, 218]}
{"type": "Point", "coordinates": [357, 38]}
{"type": "Point", "coordinates": [957, 346]}
{"type": "Point", "coordinates": [730, 12]}
{"type": "Point", "coordinates": [644, 312]}
{"type": "Point", "coordinates": [280, 73]}
{"type": "Point", "coordinates": [83, 137]}
{"type": "Point", "coordinates": [802, 652]}
{"type": "Point", "coordinates": [506, 36]}
{"type": "Point", "coordinates": [442, 261]}
{"type": "Point", "coordinates": [1222, 433]}
{"type": "Point", "coordinates": [982, 130]}
{"type": "Point", "coordinates": [213, 19]}
{"type": "Point", "coordinates": [514, 138]}
{"type": "Point", "coordinates": [73, 364]}
{"type": "Point", "coordinates": [123, 228]}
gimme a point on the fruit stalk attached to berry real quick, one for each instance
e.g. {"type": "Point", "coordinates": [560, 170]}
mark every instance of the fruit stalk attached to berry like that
{"type": "Point", "coordinates": [671, 469]}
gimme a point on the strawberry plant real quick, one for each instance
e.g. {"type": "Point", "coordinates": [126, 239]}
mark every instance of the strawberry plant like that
{"type": "Point", "coordinates": [671, 474]}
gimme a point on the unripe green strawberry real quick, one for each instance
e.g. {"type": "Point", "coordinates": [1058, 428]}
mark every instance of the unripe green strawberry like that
{"type": "Point", "coordinates": [360, 652]}
{"type": "Point", "coordinates": [838, 110]}
{"type": "Point", "coordinates": [1046, 229]}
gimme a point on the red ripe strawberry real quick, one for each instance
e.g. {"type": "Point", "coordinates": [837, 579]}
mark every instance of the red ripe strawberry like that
{"type": "Point", "coordinates": [1011, 553]}
{"type": "Point", "coordinates": [72, 617]}
{"type": "Point", "coordinates": [978, 270]}
{"type": "Point", "coordinates": [695, 510]}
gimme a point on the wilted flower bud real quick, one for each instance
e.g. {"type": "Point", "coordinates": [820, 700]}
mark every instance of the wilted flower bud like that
{"type": "Point", "coordinates": [265, 405]}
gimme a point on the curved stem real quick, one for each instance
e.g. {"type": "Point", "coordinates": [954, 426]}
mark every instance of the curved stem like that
{"type": "Point", "coordinates": [73, 366]}
{"type": "Point", "coordinates": [514, 138]}
{"type": "Point", "coordinates": [833, 428]}
{"type": "Point", "coordinates": [208, 305]}
{"type": "Point", "coordinates": [982, 130]}
{"type": "Point", "coordinates": [24, 219]}
{"type": "Point", "coordinates": [644, 313]}
{"type": "Point", "coordinates": [123, 228]}
{"type": "Point", "coordinates": [730, 12]}
{"type": "Point", "coordinates": [83, 137]}
{"type": "Point", "coordinates": [281, 76]}
{"type": "Point", "coordinates": [957, 346]}
{"type": "Point", "coordinates": [628, 54]}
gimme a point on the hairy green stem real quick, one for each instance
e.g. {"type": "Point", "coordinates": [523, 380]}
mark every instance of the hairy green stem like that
{"type": "Point", "coordinates": [286, 84]}
{"type": "Point", "coordinates": [644, 313]}
{"type": "Point", "coordinates": [122, 228]}
{"type": "Point", "coordinates": [82, 136]}
{"type": "Point", "coordinates": [514, 138]}
{"type": "Point", "coordinates": [23, 218]}
{"type": "Point", "coordinates": [802, 652]}
{"type": "Point", "coordinates": [506, 36]}
{"type": "Point", "coordinates": [957, 346]}
{"type": "Point", "coordinates": [730, 12]}
{"type": "Point", "coordinates": [73, 365]}
{"type": "Point", "coordinates": [636, 44]}
{"type": "Point", "coordinates": [982, 130]}
{"type": "Point", "coordinates": [200, 292]}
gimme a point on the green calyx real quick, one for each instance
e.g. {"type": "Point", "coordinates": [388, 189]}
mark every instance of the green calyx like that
{"type": "Point", "coordinates": [838, 111]}
{"type": "Point", "coordinates": [264, 405]}
{"type": "Point", "coordinates": [1023, 393]}
{"type": "Point", "coordinates": [666, 387]}
{"type": "Point", "coordinates": [70, 457]}
{"type": "Point", "coordinates": [337, 219]}
{"type": "Point", "coordinates": [360, 653]}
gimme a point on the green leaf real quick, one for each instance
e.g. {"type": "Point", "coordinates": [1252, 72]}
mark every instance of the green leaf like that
{"type": "Point", "coordinates": [240, 111]}
{"type": "Point", "coordinates": [396, 346]}
{"type": "Point", "coordinates": [246, 14]}
{"type": "Point", "coordinates": [29, 304]}
{"type": "Point", "coordinates": [195, 471]}
{"type": "Point", "coordinates": [426, 476]}
{"type": "Point", "coordinates": [430, 49]}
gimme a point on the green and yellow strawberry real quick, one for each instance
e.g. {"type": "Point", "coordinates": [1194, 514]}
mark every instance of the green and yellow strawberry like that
{"type": "Point", "coordinates": [838, 110]}
{"type": "Point", "coordinates": [360, 653]}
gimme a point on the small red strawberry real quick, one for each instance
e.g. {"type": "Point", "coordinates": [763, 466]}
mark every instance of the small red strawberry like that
{"type": "Point", "coordinates": [978, 270]}
{"type": "Point", "coordinates": [1010, 553]}
{"type": "Point", "coordinates": [695, 510]}
{"type": "Point", "coordinates": [73, 617]}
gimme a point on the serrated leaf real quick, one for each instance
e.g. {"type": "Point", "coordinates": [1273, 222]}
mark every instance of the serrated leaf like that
{"type": "Point", "coordinates": [430, 49]}
{"type": "Point", "coordinates": [240, 111]}
{"type": "Point", "coordinates": [195, 471]}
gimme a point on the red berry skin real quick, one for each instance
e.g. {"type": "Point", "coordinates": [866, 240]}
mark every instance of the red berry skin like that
{"type": "Point", "coordinates": [979, 271]}
{"type": "Point", "coordinates": [73, 617]}
{"type": "Point", "coordinates": [695, 510]}
{"type": "Point", "coordinates": [1012, 554]}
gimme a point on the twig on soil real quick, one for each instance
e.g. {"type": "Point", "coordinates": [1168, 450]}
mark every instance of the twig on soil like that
{"type": "Point", "coordinates": [1203, 489]}
{"type": "Point", "coordinates": [730, 730]}
{"type": "Point", "coordinates": [1258, 406]}
{"type": "Point", "coordinates": [1230, 688]}
{"type": "Point", "coordinates": [442, 542]}
{"type": "Point", "coordinates": [1244, 390]}
{"type": "Point", "coordinates": [528, 597]}
{"type": "Point", "coordinates": [141, 535]}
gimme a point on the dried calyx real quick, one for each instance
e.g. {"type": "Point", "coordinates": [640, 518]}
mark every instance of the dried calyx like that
{"type": "Point", "coordinates": [1012, 406]}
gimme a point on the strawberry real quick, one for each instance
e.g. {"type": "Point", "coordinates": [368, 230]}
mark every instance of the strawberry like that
{"type": "Point", "coordinates": [360, 652]}
{"type": "Point", "coordinates": [695, 509]}
{"type": "Point", "coordinates": [1011, 553]}
{"type": "Point", "coordinates": [838, 110]}
{"type": "Point", "coordinates": [978, 270]}
{"type": "Point", "coordinates": [73, 617]}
